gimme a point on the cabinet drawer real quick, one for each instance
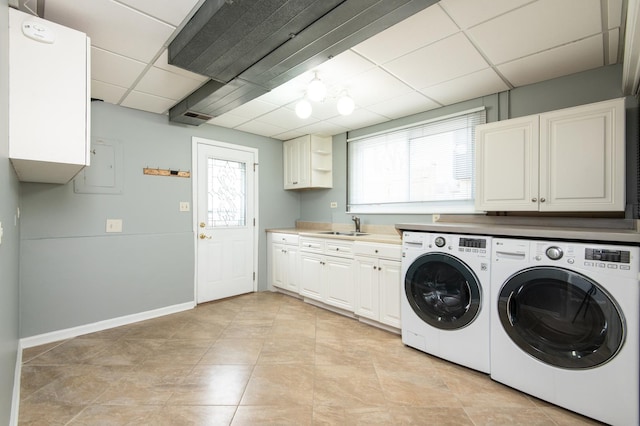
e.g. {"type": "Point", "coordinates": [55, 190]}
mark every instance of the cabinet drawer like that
{"type": "Point", "coordinates": [389, 251]}
{"type": "Point", "coordinates": [312, 245]}
{"type": "Point", "coordinates": [341, 249]}
{"type": "Point", "coordinates": [284, 238]}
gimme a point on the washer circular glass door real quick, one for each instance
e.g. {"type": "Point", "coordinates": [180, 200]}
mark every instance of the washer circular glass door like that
{"type": "Point", "coordinates": [443, 291]}
{"type": "Point", "coordinates": [561, 317]}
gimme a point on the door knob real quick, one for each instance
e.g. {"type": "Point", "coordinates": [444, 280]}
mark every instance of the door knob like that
{"type": "Point", "coordinates": [203, 236]}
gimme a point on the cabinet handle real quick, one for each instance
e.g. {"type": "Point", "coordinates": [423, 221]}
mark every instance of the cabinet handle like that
{"type": "Point", "coordinates": [542, 200]}
{"type": "Point", "coordinates": [376, 250]}
{"type": "Point", "coordinates": [533, 200]}
{"type": "Point", "coordinates": [295, 183]}
{"type": "Point", "coordinates": [375, 267]}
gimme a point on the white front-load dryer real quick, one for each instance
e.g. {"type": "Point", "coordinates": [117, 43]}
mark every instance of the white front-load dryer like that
{"type": "Point", "coordinates": [565, 324]}
{"type": "Point", "coordinates": [445, 296]}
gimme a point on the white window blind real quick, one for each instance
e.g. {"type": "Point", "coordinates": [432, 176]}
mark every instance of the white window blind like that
{"type": "Point", "coordinates": [426, 168]}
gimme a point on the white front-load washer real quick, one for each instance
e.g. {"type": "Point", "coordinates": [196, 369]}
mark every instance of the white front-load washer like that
{"type": "Point", "coordinates": [445, 295]}
{"type": "Point", "coordinates": [565, 324]}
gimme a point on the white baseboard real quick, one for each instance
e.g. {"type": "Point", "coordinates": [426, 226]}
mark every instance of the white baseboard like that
{"type": "Point", "coordinates": [15, 400]}
{"type": "Point", "coordinates": [54, 336]}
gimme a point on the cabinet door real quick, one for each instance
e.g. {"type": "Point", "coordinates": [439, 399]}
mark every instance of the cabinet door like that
{"type": "Point", "coordinates": [278, 265]}
{"type": "Point", "coordinates": [312, 276]}
{"type": "Point", "coordinates": [290, 154]}
{"type": "Point", "coordinates": [389, 272]}
{"type": "Point", "coordinates": [582, 159]}
{"type": "Point", "coordinates": [49, 126]}
{"type": "Point", "coordinates": [304, 161]}
{"type": "Point", "coordinates": [507, 165]}
{"type": "Point", "coordinates": [339, 282]}
{"type": "Point", "coordinates": [367, 288]}
{"type": "Point", "coordinates": [291, 264]}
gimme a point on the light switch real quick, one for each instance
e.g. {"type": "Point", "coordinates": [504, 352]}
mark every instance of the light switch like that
{"type": "Point", "coordinates": [184, 206]}
{"type": "Point", "coordinates": [114, 225]}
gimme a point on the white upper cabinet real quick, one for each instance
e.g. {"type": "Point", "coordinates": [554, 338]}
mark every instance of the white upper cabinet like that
{"type": "Point", "coordinates": [567, 160]}
{"type": "Point", "coordinates": [49, 95]}
{"type": "Point", "coordinates": [308, 162]}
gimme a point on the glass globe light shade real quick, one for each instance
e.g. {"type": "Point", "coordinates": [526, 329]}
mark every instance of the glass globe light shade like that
{"type": "Point", "coordinates": [345, 105]}
{"type": "Point", "coordinates": [303, 109]}
{"type": "Point", "coordinates": [316, 90]}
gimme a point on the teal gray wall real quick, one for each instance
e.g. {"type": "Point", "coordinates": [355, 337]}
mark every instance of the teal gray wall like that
{"type": "Point", "coordinates": [577, 89]}
{"type": "Point", "coordinates": [73, 273]}
{"type": "Point", "coordinates": [9, 248]}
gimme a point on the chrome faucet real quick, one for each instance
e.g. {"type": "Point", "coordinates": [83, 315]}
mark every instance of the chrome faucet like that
{"type": "Point", "coordinates": [356, 219]}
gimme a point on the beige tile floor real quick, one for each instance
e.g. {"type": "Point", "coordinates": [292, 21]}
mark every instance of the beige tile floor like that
{"type": "Point", "coordinates": [262, 358]}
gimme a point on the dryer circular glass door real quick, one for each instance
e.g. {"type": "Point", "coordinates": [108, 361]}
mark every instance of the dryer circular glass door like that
{"type": "Point", "coordinates": [443, 291]}
{"type": "Point", "coordinates": [561, 317]}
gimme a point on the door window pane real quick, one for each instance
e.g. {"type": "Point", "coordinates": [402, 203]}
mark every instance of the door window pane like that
{"type": "Point", "coordinates": [227, 183]}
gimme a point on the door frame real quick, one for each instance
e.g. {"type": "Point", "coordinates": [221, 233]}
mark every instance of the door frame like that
{"type": "Point", "coordinates": [195, 141]}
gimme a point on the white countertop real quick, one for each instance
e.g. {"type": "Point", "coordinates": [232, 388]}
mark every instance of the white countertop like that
{"type": "Point", "coordinates": [318, 233]}
{"type": "Point", "coordinates": [553, 233]}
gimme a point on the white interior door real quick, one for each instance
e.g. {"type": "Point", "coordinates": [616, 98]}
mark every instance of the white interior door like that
{"type": "Point", "coordinates": [225, 221]}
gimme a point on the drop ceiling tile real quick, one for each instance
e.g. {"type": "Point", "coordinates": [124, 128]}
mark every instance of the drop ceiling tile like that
{"type": "Point", "coordinates": [112, 26]}
{"type": "Point", "coordinates": [288, 135]}
{"type": "Point", "coordinates": [166, 84]}
{"type": "Point", "coordinates": [107, 92]}
{"type": "Point", "coordinates": [342, 67]}
{"type": "Point", "coordinates": [147, 102]}
{"type": "Point", "coordinates": [282, 117]}
{"type": "Point", "coordinates": [480, 83]}
{"type": "Point", "coordinates": [321, 110]}
{"type": "Point", "coordinates": [525, 31]}
{"type": "Point", "coordinates": [111, 68]}
{"type": "Point", "coordinates": [375, 86]}
{"type": "Point", "coordinates": [259, 128]}
{"type": "Point", "coordinates": [228, 120]}
{"type": "Point", "coordinates": [423, 28]}
{"type": "Point", "coordinates": [172, 12]}
{"type": "Point", "coordinates": [358, 119]}
{"type": "Point", "coordinates": [467, 13]}
{"type": "Point", "coordinates": [162, 62]}
{"type": "Point", "coordinates": [585, 54]}
{"type": "Point", "coordinates": [288, 92]}
{"type": "Point", "coordinates": [254, 108]}
{"type": "Point", "coordinates": [402, 106]}
{"type": "Point", "coordinates": [322, 128]}
{"type": "Point", "coordinates": [444, 60]}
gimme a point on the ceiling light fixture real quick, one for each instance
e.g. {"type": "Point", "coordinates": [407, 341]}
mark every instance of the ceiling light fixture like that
{"type": "Point", "coordinates": [303, 109]}
{"type": "Point", "coordinates": [316, 91]}
{"type": "Point", "coordinates": [345, 104]}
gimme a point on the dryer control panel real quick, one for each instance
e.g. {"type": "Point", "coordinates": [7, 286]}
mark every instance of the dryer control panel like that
{"type": "Point", "coordinates": [621, 260]}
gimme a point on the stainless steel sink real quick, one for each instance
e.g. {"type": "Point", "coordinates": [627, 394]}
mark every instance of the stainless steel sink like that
{"type": "Point", "coordinates": [348, 234]}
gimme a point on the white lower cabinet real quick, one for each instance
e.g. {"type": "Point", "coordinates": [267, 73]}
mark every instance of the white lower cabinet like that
{"type": "Point", "coordinates": [358, 277]}
{"type": "Point", "coordinates": [284, 261]}
{"type": "Point", "coordinates": [377, 282]}
{"type": "Point", "coordinates": [326, 272]}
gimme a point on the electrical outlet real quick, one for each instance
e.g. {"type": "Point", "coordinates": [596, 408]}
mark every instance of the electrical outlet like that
{"type": "Point", "coordinates": [184, 206]}
{"type": "Point", "coordinates": [334, 205]}
{"type": "Point", "coordinates": [114, 225]}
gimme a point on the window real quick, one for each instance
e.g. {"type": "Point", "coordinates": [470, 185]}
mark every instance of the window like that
{"type": "Point", "coordinates": [425, 168]}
